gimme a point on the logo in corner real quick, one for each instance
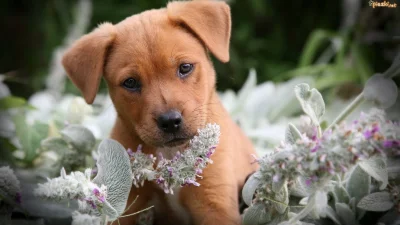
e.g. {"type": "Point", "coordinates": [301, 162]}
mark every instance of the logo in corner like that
{"type": "Point", "coordinates": [386, 4]}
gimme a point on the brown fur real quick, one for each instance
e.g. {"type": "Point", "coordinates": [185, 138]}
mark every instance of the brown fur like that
{"type": "Point", "coordinates": [150, 47]}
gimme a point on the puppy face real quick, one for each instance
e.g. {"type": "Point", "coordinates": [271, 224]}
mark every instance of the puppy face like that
{"type": "Point", "coordinates": [157, 68]}
{"type": "Point", "coordinates": [160, 79]}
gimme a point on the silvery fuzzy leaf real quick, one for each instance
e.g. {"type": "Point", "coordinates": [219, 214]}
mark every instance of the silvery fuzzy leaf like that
{"type": "Point", "coordinates": [311, 101]}
{"type": "Point", "coordinates": [279, 218]}
{"type": "Point", "coordinates": [84, 219]}
{"type": "Point", "coordinates": [292, 134]}
{"type": "Point", "coordinates": [250, 187]}
{"type": "Point", "coordinates": [55, 144]}
{"type": "Point", "coordinates": [352, 204]}
{"type": "Point", "coordinates": [248, 86]}
{"type": "Point", "coordinates": [282, 200]}
{"type": "Point", "coordinates": [392, 217]}
{"type": "Point", "coordinates": [299, 188]}
{"type": "Point", "coordinates": [114, 171]}
{"type": "Point", "coordinates": [331, 214]}
{"type": "Point", "coordinates": [340, 194]}
{"type": "Point", "coordinates": [256, 214]}
{"type": "Point", "coordinates": [376, 168]}
{"type": "Point", "coordinates": [277, 186]}
{"type": "Point", "coordinates": [381, 91]}
{"type": "Point", "coordinates": [63, 174]}
{"type": "Point", "coordinates": [345, 214]}
{"type": "Point", "coordinates": [304, 201]}
{"type": "Point", "coordinates": [80, 137]}
{"type": "Point", "coordinates": [358, 184]}
{"type": "Point", "coordinates": [321, 202]}
{"type": "Point", "coordinates": [393, 168]}
{"type": "Point", "coordinates": [377, 202]}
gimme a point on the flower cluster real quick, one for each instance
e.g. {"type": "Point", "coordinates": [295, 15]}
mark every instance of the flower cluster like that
{"type": "Point", "coordinates": [335, 152]}
{"type": "Point", "coordinates": [9, 184]}
{"type": "Point", "coordinates": [184, 168]}
{"type": "Point", "coordinates": [142, 166]}
{"type": "Point", "coordinates": [77, 186]}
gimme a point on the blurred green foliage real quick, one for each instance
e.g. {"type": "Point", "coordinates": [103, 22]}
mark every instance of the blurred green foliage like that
{"type": "Point", "coordinates": [280, 39]}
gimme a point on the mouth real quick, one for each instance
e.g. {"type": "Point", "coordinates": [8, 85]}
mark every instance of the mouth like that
{"type": "Point", "coordinates": [177, 142]}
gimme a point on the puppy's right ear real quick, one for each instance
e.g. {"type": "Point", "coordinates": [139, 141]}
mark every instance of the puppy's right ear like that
{"type": "Point", "coordinates": [84, 61]}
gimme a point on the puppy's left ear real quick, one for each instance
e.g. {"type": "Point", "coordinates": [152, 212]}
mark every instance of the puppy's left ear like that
{"type": "Point", "coordinates": [209, 20]}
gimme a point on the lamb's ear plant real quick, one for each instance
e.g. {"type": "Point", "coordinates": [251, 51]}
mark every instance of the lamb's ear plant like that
{"type": "Point", "coordinates": [105, 196]}
{"type": "Point", "coordinates": [10, 194]}
{"type": "Point", "coordinates": [73, 148]}
{"type": "Point", "coordinates": [340, 173]}
{"type": "Point", "coordinates": [183, 169]}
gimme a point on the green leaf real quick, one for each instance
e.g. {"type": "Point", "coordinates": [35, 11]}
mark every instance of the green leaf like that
{"type": "Point", "coordinates": [324, 124]}
{"type": "Point", "coordinates": [340, 194]}
{"type": "Point", "coordinates": [331, 214]}
{"type": "Point", "coordinates": [80, 137]}
{"type": "Point", "coordinates": [256, 214]}
{"type": "Point", "coordinates": [377, 202]}
{"type": "Point", "coordinates": [311, 101]}
{"type": "Point", "coordinates": [10, 102]}
{"type": "Point", "coordinates": [381, 91]}
{"type": "Point", "coordinates": [313, 44]}
{"type": "Point", "coordinates": [29, 136]}
{"type": "Point", "coordinates": [358, 184]}
{"type": "Point", "coordinates": [250, 187]}
{"type": "Point", "coordinates": [376, 168]}
{"type": "Point", "coordinates": [361, 64]}
{"type": "Point", "coordinates": [345, 214]}
{"type": "Point", "coordinates": [56, 144]}
{"type": "Point", "coordinates": [292, 134]}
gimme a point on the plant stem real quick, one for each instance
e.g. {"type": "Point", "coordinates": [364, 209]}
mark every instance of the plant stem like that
{"type": "Point", "coordinates": [104, 219]}
{"type": "Point", "coordinates": [319, 132]}
{"type": "Point", "coordinates": [349, 109]}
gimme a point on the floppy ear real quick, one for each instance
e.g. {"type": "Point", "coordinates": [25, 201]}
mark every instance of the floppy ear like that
{"type": "Point", "coordinates": [84, 61]}
{"type": "Point", "coordinates": [209, 20]}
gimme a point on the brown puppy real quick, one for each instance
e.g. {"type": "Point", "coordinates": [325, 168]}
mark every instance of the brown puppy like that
{"type": "Point", "coordinates": [162, 83]}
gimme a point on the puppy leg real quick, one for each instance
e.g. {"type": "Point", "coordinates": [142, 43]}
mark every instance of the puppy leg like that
{"type": "Point", "coordinates": [215, 202]}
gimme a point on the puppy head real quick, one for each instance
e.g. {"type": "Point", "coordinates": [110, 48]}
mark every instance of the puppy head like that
{"type": "Point", "coordinates": [157, 68]}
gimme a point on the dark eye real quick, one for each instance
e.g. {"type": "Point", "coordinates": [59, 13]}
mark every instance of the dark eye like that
{"type": "Point", "coordinates": [185, 69]}
{"type": "Point", "coordinates": [131, 84]}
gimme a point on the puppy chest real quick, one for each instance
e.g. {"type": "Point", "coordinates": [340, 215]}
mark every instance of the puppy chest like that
{"type": "Point", "coordinates": [169, 206]}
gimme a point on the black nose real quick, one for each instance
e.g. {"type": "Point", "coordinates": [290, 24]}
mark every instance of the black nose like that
{"type": "Point", "coordinates": [170, 122]}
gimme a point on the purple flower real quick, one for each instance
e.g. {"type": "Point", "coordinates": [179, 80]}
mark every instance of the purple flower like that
{"type": "Point", "coordinates": [169, 170]}
{"type": "Point", "coordinates": [375, 128]}
{"type": "Point", "coordinates": [18, 198]}
{"type": "Point", "coordinates": [188, 181]}
{"type": "Point", "coordinates": [314, 135]}
{"type": "Point", "coordinates": [101, 199]}
{"type": "Point", "coordinates": [130, 152]}
{"type": "Point", "coordinates": [199, 171]}
{"type": "Point", "coordinates": [139, 148]}
{"type": "Point", "coordinates": [160, 180]}
{"type": "Point", "coordinates": [276, 178]}
{"type": "Point", "coordinates": [367, 134]}
{"type": "Point", "coordinates": [316, 147]}
{"type": "Point", "coordinates": [391, 143]}
{"type": "Point", "coordinates": [91, 203]}
{"type": "Point", "coordinates": [94, 171]}
{"type": "Point", "coordinates": [96, 192]}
